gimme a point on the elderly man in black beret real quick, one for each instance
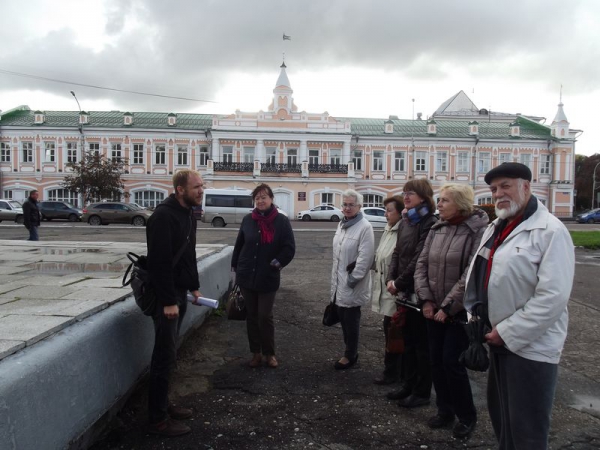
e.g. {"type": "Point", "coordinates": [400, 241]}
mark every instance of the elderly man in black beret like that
{"type": "Point", "coordinates": [521, 279]}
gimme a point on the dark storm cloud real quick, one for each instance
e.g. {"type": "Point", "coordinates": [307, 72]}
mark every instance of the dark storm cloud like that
{"type": "Point", "coordinates": [186, 48]}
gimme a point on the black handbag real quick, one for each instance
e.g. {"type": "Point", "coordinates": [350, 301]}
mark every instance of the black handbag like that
{"type": "Point", "coordinates": [475, 357]}
{"type": "Point", "coordinates": [331, 316]}
{"type": "Point", "coordinates": [235, 306]}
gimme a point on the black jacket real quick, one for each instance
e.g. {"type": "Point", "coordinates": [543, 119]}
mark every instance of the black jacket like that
{"type": "Point", "coordinates": [168, 228]}
{"type": "Point", "coordinates": [252, 259]}
{"type": "Point", "coordinates": [31, 213]}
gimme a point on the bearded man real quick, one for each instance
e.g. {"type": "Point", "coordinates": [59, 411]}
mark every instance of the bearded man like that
{"type": "Point", "coordinates": [523, 274]}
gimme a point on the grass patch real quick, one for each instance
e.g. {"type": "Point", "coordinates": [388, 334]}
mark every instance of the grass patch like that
{"type": "Point", "coordinates": [586, 239]}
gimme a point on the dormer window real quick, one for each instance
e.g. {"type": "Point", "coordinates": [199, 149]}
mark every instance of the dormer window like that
{"type": "Point", "coordinates": [40, 117]}
{"type": "Point", "coordinates": [127, 119]}
{"type": "Point", "coordinates": [389, 127]}
{"type": "Point", "coordinates": [474, 128]}
{"type": "Point", "coordinates": [431, 127]}
{"type": "Point", "coordinates": [515, 130]}
{"type": "Point", "coordinates": [84, 118]}
{"type": "Point", "coordinates": [172, 119]}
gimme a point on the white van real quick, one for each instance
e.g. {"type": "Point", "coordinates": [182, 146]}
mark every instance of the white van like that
{"type": "Point", "coordinates": [224, 206]}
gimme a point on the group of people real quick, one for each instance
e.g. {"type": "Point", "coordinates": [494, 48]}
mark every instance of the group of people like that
{"type": "Point", "coordinates": [424, 277]}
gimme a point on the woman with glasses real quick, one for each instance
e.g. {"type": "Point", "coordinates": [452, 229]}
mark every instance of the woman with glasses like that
{"type": "Point", "coordinates": [353, 252]}
{"type": "Point", "coordinates": [264, 245]}
{"type": "Point", "coordinates": [440, 284]}
{"type": "Point", "coordinates": [412, 232]}
{"type": "Point", "coordinates": [382, 301]}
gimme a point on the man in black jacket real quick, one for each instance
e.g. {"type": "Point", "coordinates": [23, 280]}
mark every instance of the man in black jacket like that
{"type": "Point", "coordinates": [171, 238]}
{"type": "Point", "coordinates": [31, 215]}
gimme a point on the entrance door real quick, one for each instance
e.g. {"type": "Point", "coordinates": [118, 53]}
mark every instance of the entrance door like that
{"type": "Point", "coordinates": [283, 200]}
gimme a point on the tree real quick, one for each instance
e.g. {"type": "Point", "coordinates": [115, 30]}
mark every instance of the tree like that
{"type": "Point", "coordinates": [584, 175]}
{"type": "Point", "coordinates": [96, 178]}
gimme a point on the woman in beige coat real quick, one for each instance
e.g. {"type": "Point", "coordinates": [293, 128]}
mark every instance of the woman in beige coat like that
{"type": "Point", "coordinates": [382, 301]}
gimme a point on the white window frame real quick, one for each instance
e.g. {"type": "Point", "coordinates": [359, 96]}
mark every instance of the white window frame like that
{"type": "Point", "coordinates": [148, 198]}
{"type": "Point", "coordinates": [504, 157]}
{"type": "Point", "coordinates": [400, 161]}
{"type": "Point", "coordinates": [373, 200]}
{"type": "Point", "coordinates": [526, 159]}
{"type": "Point", "coordinates": [378, 160]}
{"type": "Point", "coordinates": [116, 151]}
{"type": "Point", "coordinates": [484, 160]}
{"type": "Point", "coordinates": [27, 152]}
{"type": "Point", "coordinates": [292, 156]}
{"type": "Point", "coordinates": [485, 201]}
{"type": "Point", "coordinates": [72, 152]}
{"type": "Point", "coordinates": [248, 154]}
{"type": "Point", "coordinates": [227, 154]}
{"type": "Point", "coordinates": [545, 164]}
{"type": "Point", "coordinates": [327, 198]}
{"type": "Point", "coordinates": [441, 161]}
{"type": "Point", "coordinates": [5, 152]}
{"type": "Point", "coordinates": [313, 159]}
{"type": "Point", "coordinates": [62, 195]}
{"type": "Point", "coordinates": [160, 155]}
{"type": "Point", "coordinates": [94, 148]}
{"type": "Point", "coordinates": [50, 152]}
{"type": "Point", "coordinates": [357, 159]}
{"type": "Point", "coordinates": [462, 162]}
{"type": "Point", "coordinates": [271, 155]}
{"type": "Point", "coordinates": [138, 153]}
{"type": "Point", "coordinates": [203, 156]}
{"type": "Point", "coordinates": [421, 161]}
{"type": "Point", "coordinates": [335, 156]}
{"type": "Point", "coordinates": [182, 155]}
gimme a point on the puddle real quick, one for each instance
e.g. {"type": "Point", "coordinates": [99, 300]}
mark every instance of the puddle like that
{"type": "Point", "coordinates": [64, 251]}
{"type": "Point", "coordinates": [587, 403]}
{"type": "Point", "coordinates": [55, 268]}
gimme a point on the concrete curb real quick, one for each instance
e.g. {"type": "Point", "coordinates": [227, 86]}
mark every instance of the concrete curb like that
{"type": "Point", "coordinates": [53, 393]}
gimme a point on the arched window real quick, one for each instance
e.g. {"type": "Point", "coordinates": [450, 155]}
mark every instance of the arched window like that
{"type": "Point", "coordinates": [372, 200]}
{"type": "Point", "coordinates": [62, 195]}
{"type": "Point", "coordinates": [148, 199]}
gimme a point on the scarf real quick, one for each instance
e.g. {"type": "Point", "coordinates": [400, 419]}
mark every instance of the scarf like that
{"type": "Point", "coordinates": [265, 224]}
{"type": "Point", "coordinates": [347, 223]}
{"type": "Point", "coordinates": [414, 215]}
{"type": "Point", "coordinates": [457, 220]}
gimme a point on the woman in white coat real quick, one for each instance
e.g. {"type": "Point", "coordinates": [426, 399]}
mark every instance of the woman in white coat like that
{"type": "Point", "coordinates": [382, 301]}
{"type": "Point", "coordinates": [353, 252]}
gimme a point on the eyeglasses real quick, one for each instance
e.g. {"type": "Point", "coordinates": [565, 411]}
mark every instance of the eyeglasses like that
{"type": "Point", "coordinates": [408, 193]}
{"type": "Point", "coordinates": [348, 205]}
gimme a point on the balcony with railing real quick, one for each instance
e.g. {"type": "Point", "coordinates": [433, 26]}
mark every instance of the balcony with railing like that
{"type": "Point", "coordinates": [278, 168]}
{"type": "Point", "coordinates": [233, 166]}
{"type": "Point", "coordinates": [328, 168]}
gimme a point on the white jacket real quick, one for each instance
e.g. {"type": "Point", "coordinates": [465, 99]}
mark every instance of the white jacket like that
{"type": "Point", "coordinates": [382, 301]}
{"type": "Point", "coordinates": [529, 286]}
{"type": "Point", "coordinates": [356, 243]}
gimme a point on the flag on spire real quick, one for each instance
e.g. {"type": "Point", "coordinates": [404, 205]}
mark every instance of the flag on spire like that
{"type": "Point", "coordinates": [286, 37]}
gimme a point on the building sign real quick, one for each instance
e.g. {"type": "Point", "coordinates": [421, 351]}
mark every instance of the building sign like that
{"type": "Point", "coordinates": [301, 196]}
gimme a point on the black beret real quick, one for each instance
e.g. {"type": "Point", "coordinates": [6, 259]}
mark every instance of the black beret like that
{"type": "Point", "coordinates": [509, 170]}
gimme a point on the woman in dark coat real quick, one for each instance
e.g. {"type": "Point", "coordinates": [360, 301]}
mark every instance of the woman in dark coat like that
{"type": "Point", "coordinates": [264, 245]}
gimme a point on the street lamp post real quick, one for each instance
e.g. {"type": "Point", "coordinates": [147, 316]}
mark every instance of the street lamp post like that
{"type": "Point", "coordinates": [79, 122]}
{"type": "Point", "coordinates": [594, 184]}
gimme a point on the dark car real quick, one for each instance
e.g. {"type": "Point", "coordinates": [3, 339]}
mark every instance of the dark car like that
{"type": "Point", "coordinates": [60, 210]}
{"type": "Point", "coordinates": [115, 212]}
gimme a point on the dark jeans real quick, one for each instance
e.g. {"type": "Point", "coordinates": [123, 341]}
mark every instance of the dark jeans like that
{"type": "Point", "coordinates": [392, 361]}
{"type": "Point", "coordinates": [259, 321]}
{"type": "Point", "coordinates": [350, 321]}
{"type": "Point", "coordinates": [520, 395]}
{"type": "Point", "coordinates": [164, 355]}
{"type": "Point", "coordinates": [415, 359]}
{"type": "Point", "coordinates": [33, 233]}
{"type": "Point", "coordinates": [450, 378]}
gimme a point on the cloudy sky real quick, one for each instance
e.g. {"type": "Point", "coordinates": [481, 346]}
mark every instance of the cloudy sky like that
{"type": "Point", "coordinates": [348, 57]}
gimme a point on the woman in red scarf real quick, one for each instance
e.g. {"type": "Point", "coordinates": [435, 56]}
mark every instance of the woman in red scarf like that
{"type": "Point", "coordinates": [264, 245]}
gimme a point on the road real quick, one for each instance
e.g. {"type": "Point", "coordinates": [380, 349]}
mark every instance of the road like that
{"type": "Point", "coordinates": [305, 403]}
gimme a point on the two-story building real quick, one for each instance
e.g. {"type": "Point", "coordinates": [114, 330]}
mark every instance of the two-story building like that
{"type": "Point", "coordinates": [307, 158]}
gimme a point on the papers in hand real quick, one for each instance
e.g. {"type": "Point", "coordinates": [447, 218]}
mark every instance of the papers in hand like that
{"type": "Point", "coordinates": [203, 301]}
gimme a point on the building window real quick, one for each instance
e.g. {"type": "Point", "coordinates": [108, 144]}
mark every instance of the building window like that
{"type": "Point", "coordinates": [462, 163]}
{"type": "Point", "coordinates": [292, 157]}
{"type": "Point", "coordinates": [313, 156]}
{"type": "Point", "coordinates": [335, 157]}
{"type": "Point", "coordinates": [203, 156]}
{"type": "Point", "coordinates": [228, 154]}
{"type": "Point", "coordinates": [504, 157]}
{"type": "Point", "coordinates": [271, 153]}
{"type": "Point", "coordinates": [62, 195]}
{"type": "Point", "coordinates": [138, 153]}
{"type": "Point", "coordinates": [326, 198]}
{"type": "Point", "coordinates": [8, 194]}
{"type": "Point", "coordinates": [248, 154]}
{"type": "Point", "coordinates": [441, 162]}
{"type": "Point", "coordinates": [49, 152]}
{"type": "Point", "coordinates": [357, 159]}
{"type": "Point", "coordinates": [372, 200]}
{"type": "Point", "coordinates": [182, 155]}
{"type": "Point", "coordinates": [400, 161]}
{"type": "Point", "coordinates": [485, 201]}
{"type": "Point", "coordinates": [94, 148]}
{"type": "Point", "coordinates": [148, 199]}
{"type": "Point", "coordinates": [525, 158]}
{"type": "Point", "coordinates": [71, 152]}
{"type": "Point", "coordinates": [483, 162]}
{"type": "Point", "coordinates": [545, 165]}
{"type": "Point", "coordinates": [116, 152]}
{"type": "Point", "coordinates": [4, 152]}
{"type": "Point", "coordinates": [27, 152]}
{"type": "Point", "coordinates": [378, 160]}
{"type": "Point", "coordinates": [420, 161]}
{"type": "Point", "coordinates": [160, 155]}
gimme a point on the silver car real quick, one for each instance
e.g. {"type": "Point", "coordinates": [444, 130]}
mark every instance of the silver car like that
{"type": "Point", "coordinates": [375, 215]}
{"type": "Point", "coordinates": [11, 210]}
{"type": "Point", "coordinates": [321, 212]}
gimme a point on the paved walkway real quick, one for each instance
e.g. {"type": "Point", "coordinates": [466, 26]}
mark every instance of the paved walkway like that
{"type": "Point", "coordinates": [47, 286]}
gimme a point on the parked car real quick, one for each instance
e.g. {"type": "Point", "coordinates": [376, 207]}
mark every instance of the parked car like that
{"type": "Point", "coordinates": [281, 211]}
{"type": "Point", "coordinates": [11, 210]}
{"type": "Point", "coordinates": [591, 216]}
{"type": "Point", "coordinates": [321, 212]}
{"type": "Point", "coordinates": [375, 215]}
{"type": "Point", "coordinates": [60, 210]}
{"type": "Point", "coordinates": [115, 212]}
